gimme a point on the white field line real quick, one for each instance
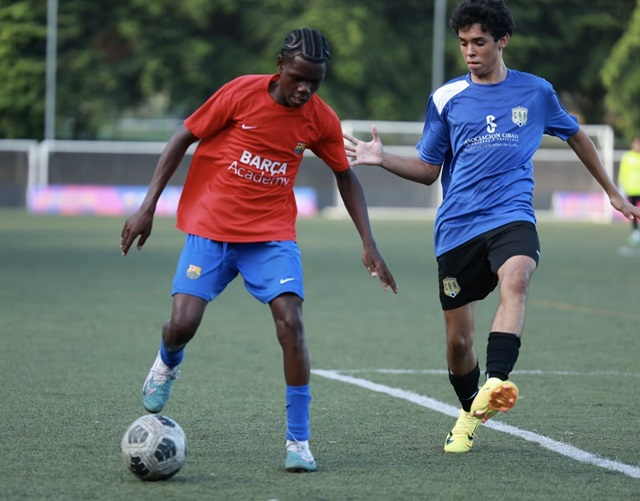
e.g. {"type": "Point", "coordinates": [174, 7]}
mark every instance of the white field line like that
{"type": "Point", "coordinates": [435, 405]}
{"type": "Point", "coordinates": [516, 372]}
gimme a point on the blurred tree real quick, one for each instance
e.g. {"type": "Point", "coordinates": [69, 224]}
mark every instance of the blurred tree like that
{"type": "Point", "coordinates": [162, 59]}
{"type": "Point", "coordinates": [22, 66]}
{"type": "Point", "coordinates": [567, 43]}
{"type": "Point", "coordinates": [381, 59]}
{"type": "Point", "coordinates": [621, 74]}
{"type": "Point", "coordinates": [139, 58]}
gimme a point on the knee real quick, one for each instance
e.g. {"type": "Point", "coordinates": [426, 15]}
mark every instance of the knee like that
{"type": "Point", "coordinates": [515, 278]}
{"type": "Point", "coordinates": [459, 346]}
{"type": "Point", "coordinates": [516, 283]}
{"type": "Point", "coordinates": [181, 327]}
{"type": "Point", "coordinates": [290, 330]}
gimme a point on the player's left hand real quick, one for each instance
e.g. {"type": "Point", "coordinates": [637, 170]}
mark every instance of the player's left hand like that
{"type": "Point", "coordinates": [376, 267]}
{"type": "Point", "coordinates": [622, 205]}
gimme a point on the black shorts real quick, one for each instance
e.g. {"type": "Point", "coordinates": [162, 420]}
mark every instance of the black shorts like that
{"type": "Point", "coordinates": [470, 271]}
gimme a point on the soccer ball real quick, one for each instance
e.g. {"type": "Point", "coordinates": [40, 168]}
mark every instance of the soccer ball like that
{"type": "Point", "coordinates": [154, 447]}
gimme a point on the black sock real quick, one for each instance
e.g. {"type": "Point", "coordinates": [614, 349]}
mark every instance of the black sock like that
{"type": "Point", "coordinates": [502, 353]}
{"type": "Point", "coordinates": [466, 387]}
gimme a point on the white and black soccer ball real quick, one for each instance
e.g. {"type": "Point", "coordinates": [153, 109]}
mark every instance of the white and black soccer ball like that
{"type": "Point", "coordinates": [154, 447]}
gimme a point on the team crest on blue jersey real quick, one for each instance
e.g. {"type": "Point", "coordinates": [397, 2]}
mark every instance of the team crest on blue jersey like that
{"type": "Point", "coordinates": [300, 147]}
{"type": "Point", "coordinates": [519, 115]}
{"type": "Point", "coordinates": [193, 272]}
{"type": "Point", "coordinates": [451, 287]}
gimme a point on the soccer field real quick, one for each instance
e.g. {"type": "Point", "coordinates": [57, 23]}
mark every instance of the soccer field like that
{"type": "Point", "coordinates": [81, 326]}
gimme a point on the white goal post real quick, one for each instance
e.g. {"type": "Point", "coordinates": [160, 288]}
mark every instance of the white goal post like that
{"type": "Point", "coordinates": [564, 188]}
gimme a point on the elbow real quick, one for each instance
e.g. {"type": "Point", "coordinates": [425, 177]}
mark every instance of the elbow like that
{"type": "Point", "coordinates": [431, 173]}
{"type": "Point", "coordinates": [183, 138]}
{"type": "Point", "coordinates": [429, 180]}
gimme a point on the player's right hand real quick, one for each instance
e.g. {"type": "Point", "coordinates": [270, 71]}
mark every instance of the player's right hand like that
{"type": "Point", "coordinates": [361, 153]}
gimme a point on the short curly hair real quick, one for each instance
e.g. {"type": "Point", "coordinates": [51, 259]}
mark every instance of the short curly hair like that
{"type": "Point", "coordinates": [493, 16]}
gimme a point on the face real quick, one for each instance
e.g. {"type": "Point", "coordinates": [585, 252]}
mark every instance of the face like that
{"type": "Point", "coordinates": [482, 55]}
{"type": "Point", "coordinates": [299, 80]}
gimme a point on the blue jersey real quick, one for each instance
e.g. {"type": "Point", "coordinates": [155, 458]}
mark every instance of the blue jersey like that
{"type": "Point", "coordinates": [485, 137]}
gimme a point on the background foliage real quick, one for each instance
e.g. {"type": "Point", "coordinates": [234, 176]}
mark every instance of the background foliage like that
{"type": "Point", "coordinates": [621, 74]}
{"type": "Point", "coordinates": [162, 59]}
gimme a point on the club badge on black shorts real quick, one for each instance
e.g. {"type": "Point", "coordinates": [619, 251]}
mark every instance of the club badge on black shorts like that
{"type": "Point", "coordinates": [450, 287]}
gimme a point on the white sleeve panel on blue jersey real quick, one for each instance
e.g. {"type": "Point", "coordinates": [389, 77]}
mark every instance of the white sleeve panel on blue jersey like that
{"type": "Point", "coordinates": [435, 142]}
{"type": "Point", "coordinates": [444, 94]}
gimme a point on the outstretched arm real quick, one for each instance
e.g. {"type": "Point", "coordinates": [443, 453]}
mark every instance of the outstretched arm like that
{"type": "Point", "coordinates": [372, 153]}
{"type": "Point", "coordinates": [141, 222]}
{"type": "Point", "coordinates": [353, 197]}
{"type": "Point", "coordinates": [582, 145]}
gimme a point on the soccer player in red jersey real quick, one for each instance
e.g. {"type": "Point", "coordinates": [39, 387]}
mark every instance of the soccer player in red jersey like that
{"type": "Point", "coordinates": [238, 212]}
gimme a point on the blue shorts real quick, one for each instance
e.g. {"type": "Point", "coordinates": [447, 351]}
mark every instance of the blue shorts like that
{"type": "Point", "coordinates": [269, 269]}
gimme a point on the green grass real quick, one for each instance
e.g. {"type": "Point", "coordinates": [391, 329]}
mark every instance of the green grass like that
{"type": "Point", "coordinates": [80, 328]}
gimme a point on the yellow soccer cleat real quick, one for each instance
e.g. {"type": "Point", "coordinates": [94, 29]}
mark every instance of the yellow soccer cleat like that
{"type": "Point", "coordinates": [460, 438]}
{"type": "Point", "coordinates": [495, 396]}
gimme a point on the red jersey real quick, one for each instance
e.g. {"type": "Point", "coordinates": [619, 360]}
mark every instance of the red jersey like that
{"type": "Point", "coordinates": [239, 187]}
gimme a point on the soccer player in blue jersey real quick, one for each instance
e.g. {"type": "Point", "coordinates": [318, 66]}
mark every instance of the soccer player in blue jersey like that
{"type": "Point", "coordinates": [480, 134]}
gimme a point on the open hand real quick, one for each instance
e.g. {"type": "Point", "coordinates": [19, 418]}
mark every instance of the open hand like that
{"type": "Point", "coordinates": [361, 153]}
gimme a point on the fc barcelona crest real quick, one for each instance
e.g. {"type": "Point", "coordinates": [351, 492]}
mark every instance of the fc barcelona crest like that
{"type": "Point", "coordinates": [193, 272]}
{"type": "Point", "coordinates": [300, 147]}
{"type": "Point", "coordinates": [519, 115]}
{"type": "Point", "coordinates": [450, 287]}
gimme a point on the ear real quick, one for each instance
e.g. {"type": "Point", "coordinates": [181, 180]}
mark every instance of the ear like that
{"type": "Point", "coordinates": [280, 63]}
{"type": "Point", "coordinates": [502, 43]}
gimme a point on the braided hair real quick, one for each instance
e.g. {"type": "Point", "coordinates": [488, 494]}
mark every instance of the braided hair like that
{"type": "Point", "coordinates": [309, 44]}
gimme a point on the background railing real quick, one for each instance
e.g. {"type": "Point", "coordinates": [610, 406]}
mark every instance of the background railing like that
{"type": "Point", "coordinates": [563, 186]}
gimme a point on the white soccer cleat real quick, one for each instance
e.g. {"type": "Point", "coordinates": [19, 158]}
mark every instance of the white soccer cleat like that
{"type": "Point", "coordinates": [299, 457]}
